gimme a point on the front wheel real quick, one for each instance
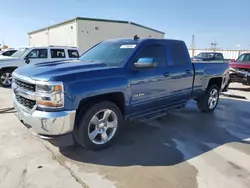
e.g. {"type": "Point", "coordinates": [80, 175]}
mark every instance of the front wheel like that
{"type": "Point", "coordinates": [6, 78]}
{"type": "Point", "coordinates": [98, 126]}
{"type": "Point", "coordinates": [208, 102]}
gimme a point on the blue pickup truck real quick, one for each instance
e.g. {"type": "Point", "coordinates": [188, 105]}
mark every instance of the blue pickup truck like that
{"type": "Point", "coordinates": [85, 101]}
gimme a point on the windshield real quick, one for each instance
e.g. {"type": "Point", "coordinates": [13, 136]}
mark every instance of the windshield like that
{"type": "Point", "coordinates": [20, 52]}
{"type": "Point", "coordinates": [109, 52]}
{"type": "Point", "coordinates": [205, 55]}
{"type": "Point", "coordinates": [244, 58]}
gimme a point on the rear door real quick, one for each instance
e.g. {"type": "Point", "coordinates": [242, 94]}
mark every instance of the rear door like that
{"type": "Point", "coordinates": [149, 87]}
{"type": "Point", "coordinates": [179, 71]}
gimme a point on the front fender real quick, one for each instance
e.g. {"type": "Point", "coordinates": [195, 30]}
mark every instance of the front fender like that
{"type": "Point", "coordinates": [79, 90]}
{"type": "Point", "coordinates": [10, 64]}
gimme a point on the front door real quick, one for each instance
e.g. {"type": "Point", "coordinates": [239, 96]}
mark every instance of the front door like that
{"type": "Point", "coordinates": [37, 56]}
{"type": "Point", "coordinates": [150, 88]}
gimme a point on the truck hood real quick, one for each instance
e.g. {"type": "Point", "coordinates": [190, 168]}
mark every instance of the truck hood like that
{"type": "Point", "coordinates": [245, 65]}
{"type": "Point", "coordinates": [10, 62]}
{"type": "Point", "coordinates": [62, 70]}
{"type": "Point", "coordinates": [7, 58]}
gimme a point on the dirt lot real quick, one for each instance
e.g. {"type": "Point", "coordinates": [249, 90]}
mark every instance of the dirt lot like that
{"type": "Point", "coordinates": [184, 150]}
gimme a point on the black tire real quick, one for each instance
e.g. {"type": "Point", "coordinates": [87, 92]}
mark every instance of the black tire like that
{"type": "Point", "coordinates": [3, 74]}
{"type": "Point", "coordinates": [203, 101]}
{"type": "Point", "coordinates": [81, 131]}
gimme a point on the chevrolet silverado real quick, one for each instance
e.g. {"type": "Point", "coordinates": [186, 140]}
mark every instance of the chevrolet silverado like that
{"type": "Point", "coordinates": [84, 101]}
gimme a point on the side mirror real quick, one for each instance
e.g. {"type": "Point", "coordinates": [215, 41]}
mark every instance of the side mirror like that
{"type": "Point", "coordinates": [27, 60]}
{"type": "Point", "coordinates": [145, 63]}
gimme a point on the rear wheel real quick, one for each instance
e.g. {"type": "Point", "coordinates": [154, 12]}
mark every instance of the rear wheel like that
{"type": "Point", "coordinates": [208, 102]}
{"type": "Point", "coordinates": [98, 126]}
{"type": "Point", "coordinates": [6, 78]}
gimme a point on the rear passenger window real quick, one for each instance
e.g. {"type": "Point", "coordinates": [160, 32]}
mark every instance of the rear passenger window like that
{"type": "Point", "coordinates": [218, 57]}
{"type": "Point", "coordinates": [154, 51]}
{"type": "Point", "coordinates": [179, 53]}
{"type": "Point", "coordinates": [73, 54]}
{"type": "Point", "coordinates": [57, 53]}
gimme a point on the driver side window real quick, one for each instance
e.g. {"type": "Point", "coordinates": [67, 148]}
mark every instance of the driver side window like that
{"type": "Point", "coordinates": [154, 51]}
{"type": "Point", "coordinates": [38, 54]}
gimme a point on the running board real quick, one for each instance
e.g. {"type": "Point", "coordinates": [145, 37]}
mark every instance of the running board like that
{"type": "Point", "coordinates": [156, 113]}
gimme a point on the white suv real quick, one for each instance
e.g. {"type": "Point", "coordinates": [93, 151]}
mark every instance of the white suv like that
{"type": "Point", "coordinates": [27, 55]}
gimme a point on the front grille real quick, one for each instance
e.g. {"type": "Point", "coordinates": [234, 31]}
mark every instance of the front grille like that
{"type": "Point", "coordinates": [26, 86]}
{"type": "Point", "coordinates": [25, 102]}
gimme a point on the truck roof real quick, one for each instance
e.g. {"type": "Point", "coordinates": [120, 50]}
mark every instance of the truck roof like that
{"type": "Point", "coordinates": [129, 40]}
{"type": "Point", "coordinates": [48, 46]}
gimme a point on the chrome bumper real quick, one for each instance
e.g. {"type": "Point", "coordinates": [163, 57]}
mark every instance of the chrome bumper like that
{"type": "Point", "coordinates": [46, 123]}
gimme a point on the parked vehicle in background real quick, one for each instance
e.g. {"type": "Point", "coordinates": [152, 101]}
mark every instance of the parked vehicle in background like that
{"type": "Point", "coordinates": [30, 55]}
{"type": "Point", "coordinates": [208, 56]}
{"type": "Point", "coordinates": [7, 52]}
{"type": "Point", "coordinates": [86, 100]}
{"type": "Point", "coordinates": [240, 69]}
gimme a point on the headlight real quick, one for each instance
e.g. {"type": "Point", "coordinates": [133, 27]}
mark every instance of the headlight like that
{"type": "Point", "coordinates": [50, 95]}
{"type": "Point", "coordinates": [48, 88]}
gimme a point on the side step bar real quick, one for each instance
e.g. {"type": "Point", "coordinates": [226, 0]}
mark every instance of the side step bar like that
{"type": "Point", "coordinates": [156, 113]}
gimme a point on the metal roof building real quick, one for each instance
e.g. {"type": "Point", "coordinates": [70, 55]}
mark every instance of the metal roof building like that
{"type": "Point", "coordinates": [86, 32]}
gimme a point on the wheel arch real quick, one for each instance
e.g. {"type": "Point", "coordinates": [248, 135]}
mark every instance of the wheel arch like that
{"type": "Point", "coordinates": [8, 68]}
{"type": "Point", "coordinates": [215, 81]}
{"type": "Point", "coordinates": [117, 98]}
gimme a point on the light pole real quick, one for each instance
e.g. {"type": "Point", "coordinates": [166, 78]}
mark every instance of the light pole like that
{"type": "Point", "coordinates": [238, 48]}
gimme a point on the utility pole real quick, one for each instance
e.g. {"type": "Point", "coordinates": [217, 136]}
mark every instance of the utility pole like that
{"type": "Point", "coordinates": [192, 45]}
{"type": "Point", "coordinates": [213, 45]}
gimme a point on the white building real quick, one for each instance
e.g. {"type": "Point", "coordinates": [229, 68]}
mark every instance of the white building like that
{"type": "Point", "coordinates": [86, 32]}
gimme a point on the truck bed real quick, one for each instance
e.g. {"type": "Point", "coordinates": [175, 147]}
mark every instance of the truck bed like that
{"type": "Point", "coordinates": [205, 70]}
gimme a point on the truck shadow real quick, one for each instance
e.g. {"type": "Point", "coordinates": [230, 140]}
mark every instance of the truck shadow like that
{"type": "Point", "coordinates": [174, 138]}
{"type": "Point", "coordinates": [240, 89]}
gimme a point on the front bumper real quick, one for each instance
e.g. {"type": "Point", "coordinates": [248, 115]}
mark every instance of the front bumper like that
{"type": "Point", "coordinates": [47, 125]}
{"type": "Point", "coordinates": [240, 77]}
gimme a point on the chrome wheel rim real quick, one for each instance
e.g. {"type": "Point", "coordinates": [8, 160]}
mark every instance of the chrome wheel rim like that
{"type": "Point", "coordinates": [213, 98]}
{"type": "Point", "coordinates": [6, 79]}
{"type": "Point", "coordinates": [102, 126]}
